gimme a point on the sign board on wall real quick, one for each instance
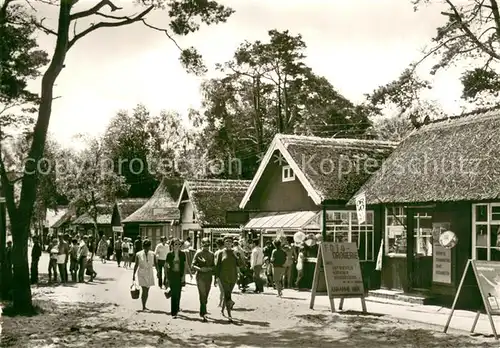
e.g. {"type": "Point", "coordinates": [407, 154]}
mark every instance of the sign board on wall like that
{"type": "Point", "coordinates": [342, 273]}
{"type": "Point", "coordinates": [441, 256]}
{"type": "Point", "coordinates": [117, 228]}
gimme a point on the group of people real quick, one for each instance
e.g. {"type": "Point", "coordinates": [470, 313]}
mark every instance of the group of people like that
{"type": "Point", "coordinates": [77, 252]}
{"type": "Point", "coordinates": [122, 249]}
{"type": "Point", "coordinates": [219, 268]}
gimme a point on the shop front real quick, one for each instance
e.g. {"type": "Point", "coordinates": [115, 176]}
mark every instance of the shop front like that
{"type": "Point", "coordinates": [441, 182]}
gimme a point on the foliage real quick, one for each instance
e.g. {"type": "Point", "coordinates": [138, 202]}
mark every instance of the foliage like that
{"type": "Point", "coordinates": [89, 180]}
{"type": "Point", "coordinates": [144, 147]}
{"type": "Point", "coordinates": [185, 16]}
{"type": "Point", "coordinates": [471, 33]}
{"type": "Point", "coordinates": [20, 57]}
{"type": "Point", "coordinates": [268, 89]}
{"type": "Point", "coordinates": [392, 128]}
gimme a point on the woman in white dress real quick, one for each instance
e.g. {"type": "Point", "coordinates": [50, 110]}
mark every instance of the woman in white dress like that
{"type": "Point", "coordinates": [145, 264]}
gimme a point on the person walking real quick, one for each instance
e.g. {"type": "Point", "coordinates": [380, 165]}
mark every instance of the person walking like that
{"type": "Point", "coordinates": [62, 257]}
{"type": "Point", "coordinates": [220, 247]}
{"type": "Point", "coordinates": [83, 252]}
{"type": "Point", "coordinates": [36, 253]}
{"type": "Point", "coordinates": [145, 262]}
{"type": "Point", "coordinates": [278, 260]}
{"type": "Point", "coordinates": [226, 270]}
{"type": "Point", "coordinates": [288, 272]}
{"type": "Point", "coordinates": [102, 249]}
{"type": "Point", "coordinates": [131, 252]}
{"type": "Point", "coordinates": [137, 245]}
{"type": "Point", "coordinates": [54, 251]}
{"type": "Point", "coordinates": [176, 266]}
{"type": "Point", "coordinates": [118, 251]}
{"type": "Point", "coordinates": [125, 253]}
{"type": "Point", "coordinates": [203, 264]}
{"type": "Point", "coordinates": [161, 252]}
{"type": "Point", "coordinates": [73, 263]}
{"type": "Point", "coordinates": [256, 262]}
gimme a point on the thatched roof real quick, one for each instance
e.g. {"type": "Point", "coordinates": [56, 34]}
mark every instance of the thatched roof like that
{"type": "Point", "coordinates": [104, 214]}
{"type": "Point", "coordinates": [127, 206]}
{"type": "Point", "coordinates": [456, 159]}
{"type": "Point", "coordinates": [54, 215]}
{"type": "Point", "coordinates": [212, 198]}
{"type": "Point", "coordinates": [64, 219]}
{"type": "Point", "coordinates": [161, 207]}
{"type": "Point", "coordinates": [328, 168]}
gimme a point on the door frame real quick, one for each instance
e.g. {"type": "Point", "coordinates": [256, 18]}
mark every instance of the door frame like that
{"type": "Point", "coordinates": [411, 255]}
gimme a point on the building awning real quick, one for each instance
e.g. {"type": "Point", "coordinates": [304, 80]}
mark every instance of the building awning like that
{"type": "Point", "coordinates": [290, 220]}
{"type": "Point", "coordinates": [225, 230]}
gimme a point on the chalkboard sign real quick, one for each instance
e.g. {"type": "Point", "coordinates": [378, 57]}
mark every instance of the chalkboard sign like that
{"type": "Point", "coordinates": [342, 273]}
{"type": "Point", "coordinates": [487, 279]}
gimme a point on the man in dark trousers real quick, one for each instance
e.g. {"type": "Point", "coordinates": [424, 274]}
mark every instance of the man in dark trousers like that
{"type": "Point", "coordinates": [36, 253]}
{"type": "Point", "coordinates": [137, 245]}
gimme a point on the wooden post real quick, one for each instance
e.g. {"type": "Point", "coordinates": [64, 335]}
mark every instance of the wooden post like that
{"type": "Point", "coordinates": [323, 223]}
{"type": "Point", "coordinates": [456, 297]}
{"type": "Point", "coordinates": [475, 322]}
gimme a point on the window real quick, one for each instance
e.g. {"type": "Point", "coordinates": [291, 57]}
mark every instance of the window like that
{"type": "Point", "coordinates": [486, 232]}
{"type": "Point", "coordinates": [343, 226]}
{"type": "Point", "coordinates": [153, 233]}
{"type": "Point", "coordinates": [287, 174]}
{"type": "Point", "coordinates": [395, 234]}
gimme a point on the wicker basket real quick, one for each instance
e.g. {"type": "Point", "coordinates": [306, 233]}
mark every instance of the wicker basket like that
{"type": "Point", "coordinates": [134, 291]}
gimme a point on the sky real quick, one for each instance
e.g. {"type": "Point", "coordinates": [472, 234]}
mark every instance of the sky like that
{"type": "Point", "coordinates": [357, 45]}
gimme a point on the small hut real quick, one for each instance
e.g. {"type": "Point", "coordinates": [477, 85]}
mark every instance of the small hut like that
{"type": "Point", "coordinates": [84, 223]}
{"type": "Point", "coordinates": [122, 209]}
{"type": "Point", "coordinates": [159, 216]}
{"type": "Point", "coordinates": [203, 204]}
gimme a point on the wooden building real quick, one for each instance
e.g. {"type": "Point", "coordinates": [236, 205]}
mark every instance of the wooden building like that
{"type": "Point", "coordinates": [305, 182]}
{"type": "Point", "coordinates": [84, 223]}
{"type": "Point", "coordinates": [203, 204]}
{"type": "Point", "coordinates": [159, 216]}
{"type": "Point", "coordinates": [63, 223]}
{"type": "Point", "coordinates": [443, 176]}
{"type": "Point", "coordinates": [122, 209]}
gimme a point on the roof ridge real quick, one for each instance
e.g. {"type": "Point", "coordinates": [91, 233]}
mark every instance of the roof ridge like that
{"type": "Point", "coordinates": [479, 112]}
{"type": "Point", "coordinates": [339, 140]}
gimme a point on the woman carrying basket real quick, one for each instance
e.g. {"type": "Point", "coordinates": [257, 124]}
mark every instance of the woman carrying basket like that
{"type": "Point", "coordinates": [145, 264]}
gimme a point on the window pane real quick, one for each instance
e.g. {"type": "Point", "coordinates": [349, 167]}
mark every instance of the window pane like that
{"type": "Point", "coordinates": [369, 242]}
{"type": "Point", "coordinates": [362, 245]}
{"type": "Point", "coordinates": [495, 213]}
{"type": "Point", "coordinates": [482, 254]}
{"type": "Point", "coordinates": [423, 241]}
{"type": "Point", "coordinates": [481, 213]}
{"type": "Point", "coordinates": [481, 236]}
{"type": "Point", "coordinates": [369, 218]}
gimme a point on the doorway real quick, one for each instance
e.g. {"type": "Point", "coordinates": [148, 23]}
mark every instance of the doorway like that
{"type": "Point", "coordinates": [420, 266]}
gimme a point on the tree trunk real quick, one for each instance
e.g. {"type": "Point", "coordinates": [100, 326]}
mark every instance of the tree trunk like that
{"type": "Point", "coordinates": [21, 217]}
{"type": "Point", "coordinates": [21, 294]}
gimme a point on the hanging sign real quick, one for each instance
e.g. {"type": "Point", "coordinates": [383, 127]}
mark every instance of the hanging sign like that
{"type": "Point", "coordinates": [342, 272]}
{"type": "Point", "coordinates": [361, 208]}
{"type": "Point", "coordinates": [484, 276]}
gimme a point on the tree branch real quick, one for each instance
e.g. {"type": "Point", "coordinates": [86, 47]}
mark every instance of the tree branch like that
{"type": "Point", "coordinates": [496, 16]}
{"type": "Point", "coordinates": [43, 28]}
{"type": "Point", "coordinates": [95, 9]}
{"type": "Point", "coordinates": [162, 30]}
{"type": "Point", "coordinates": [92, 28]}
{"type": "Point", "coordinates": [465, 28]}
